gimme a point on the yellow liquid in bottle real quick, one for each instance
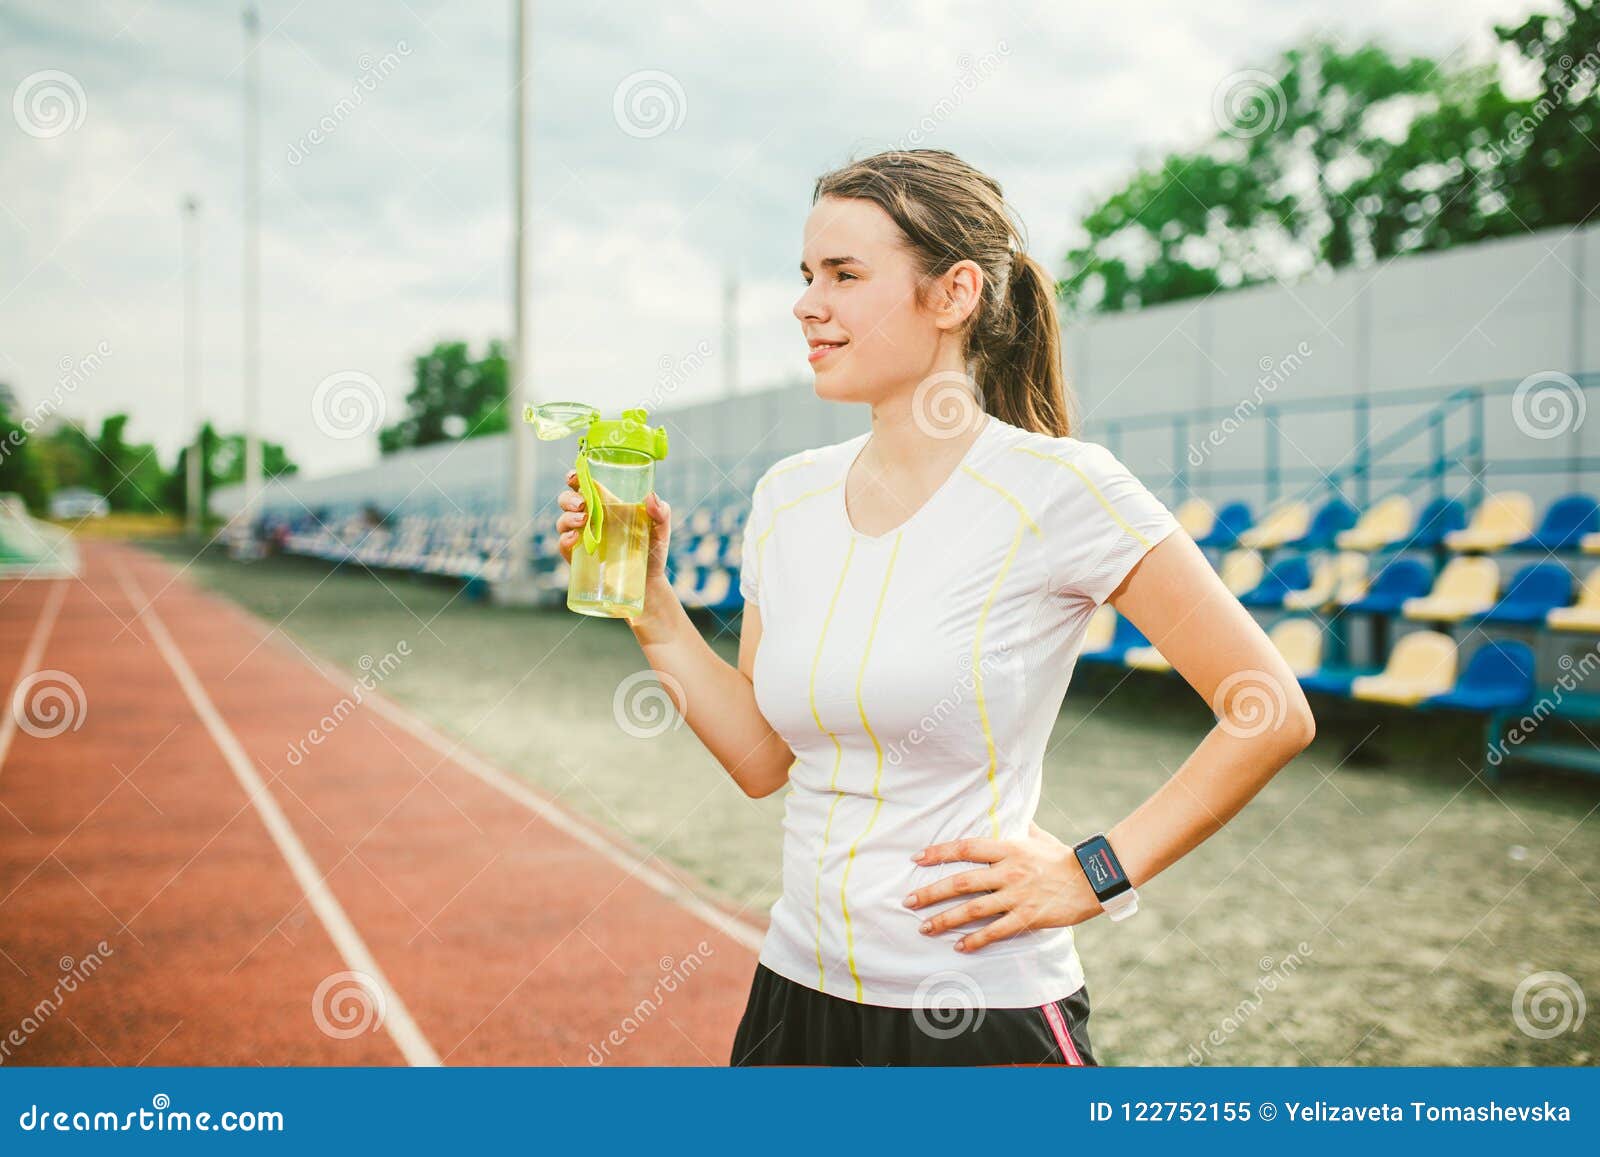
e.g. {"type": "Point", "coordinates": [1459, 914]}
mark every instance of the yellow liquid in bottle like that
{"type": "Point", "coordinates": [610, 583]}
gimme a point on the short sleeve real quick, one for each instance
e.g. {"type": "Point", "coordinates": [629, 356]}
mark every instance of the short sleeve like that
{"type": "Point", "coordinates": [1100, 522]}
{"type": "Point", "coordinates": [755, 524]}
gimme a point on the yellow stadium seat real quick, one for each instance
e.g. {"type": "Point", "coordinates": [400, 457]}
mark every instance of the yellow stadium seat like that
{"type": "Point", "coordinates": [1101, 630]}
{"type": "Point", "coordinates": [1422, 664]}
{"type": "Point", "coordinates": [1466, 586]}
{"type": "Point", "coordinates": [1499, 521]}
{"type": "Point", "coordinates": [1197, 517]}
{"type": "Point", "coordinates": [1146, 658]}
{"type": "Point", "coordinates": [1590, 544]}
{"type": "Point", "coordinates": [1583, 615]}
{"type": "Point", "coordinates": [1282, 524]}
{"type": "Point", "coordinates": [1354, 577]}
{"type": "Point", "coordinates": [1384, 524]}
{"type": "Point", "coordinates": [1242, 571]}
{"type": "Point", "coordinates": [1299, 641]}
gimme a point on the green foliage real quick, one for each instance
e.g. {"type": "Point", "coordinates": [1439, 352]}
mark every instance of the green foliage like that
{"type": "Point", "coordinates": [223, 459]}
{"type": "Point", "coordinates": [455, 396]}
{"type": "Point", "coordinates": [1341, 157]}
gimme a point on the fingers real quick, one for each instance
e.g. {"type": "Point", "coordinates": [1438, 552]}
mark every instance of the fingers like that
{"type": "Point", "coordinates": [972, 850]}
{"type": "Point", "coordinates": [1008, 925]}
{"type": "Point", "coordinates": [962, 883]}
{"type": "Point", "coordinates": [990, 905]}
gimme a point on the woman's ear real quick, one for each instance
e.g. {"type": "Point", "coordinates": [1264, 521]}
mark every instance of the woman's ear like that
{"type": "Point", "coordinates": [959, 291]}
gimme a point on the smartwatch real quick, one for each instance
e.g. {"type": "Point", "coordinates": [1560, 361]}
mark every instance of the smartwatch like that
{"type": "Point", "coordinates": [1110, 883]}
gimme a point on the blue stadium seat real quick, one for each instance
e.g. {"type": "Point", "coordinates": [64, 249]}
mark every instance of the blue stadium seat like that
{"type": "Point", "coordinates": [1334, 516]}
{"type": "Point", "coordinates": [1565, 523]}
{"type": "Point", "coordinates": [1232, 521]}
{"type": "Point", "coordinates": [1535, 591]}
{"type": "Point", "coordinates": [1402, 579]}
{"type": "Point", "coordinates": [1335, 680]}
{"type": "Point", "coordinates": [1283, 576]}
{"type": "Point", "coordinates": [1438, 518]}
{"type": "Point", "coordinates": [1499, 677]}
{"type": "Point", "coordinates": [1124, 637]}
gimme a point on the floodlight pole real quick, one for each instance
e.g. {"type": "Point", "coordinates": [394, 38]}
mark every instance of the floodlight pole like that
{"type": "Point", "coordinates": [194, 523]}
{"type": "Point", "coordinates": [251, 295]}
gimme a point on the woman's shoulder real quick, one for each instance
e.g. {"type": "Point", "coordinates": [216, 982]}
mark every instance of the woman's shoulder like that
{"type": "Point", "coordinates": [804, 468]}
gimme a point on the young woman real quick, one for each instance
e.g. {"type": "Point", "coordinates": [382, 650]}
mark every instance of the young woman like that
{"type": "Point", "coordinates": [915, 600]}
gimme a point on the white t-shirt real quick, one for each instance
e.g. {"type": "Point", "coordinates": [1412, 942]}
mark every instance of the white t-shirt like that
{"type": "Point", "coordinates": [917, 675]}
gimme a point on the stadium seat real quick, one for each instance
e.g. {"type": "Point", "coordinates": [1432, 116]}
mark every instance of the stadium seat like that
{"type": "Point", "coordinates": [1590, 543]}
{"type": "Point", "coordinates": [1197, 517]}
{"type": "Point", "coordinates": [1465, 587]}
{"type": "Point", "coordinates": [1565, 525]}
{"type": "Point", "coordinates": [1340, 578]}
{"type": "Point", "coordinates": [1499, 677]}
{"type": "Point", "coordinates": [1299, 641]}
{"type": "Point", "coordinates": [1438, 518]}
{"type": "Point", "coordinates": [1584, 615]}
{"type": "Point", "coordinates": [1241, 570]}
{"type": "Point", "coordinates": [1109, 637]}
{"type": "Point", "coordinates": [1231, 521]}
{"type": "Point", "coordinates": [1383, 524]}
{"type": "Point", "coordinates": [1333, 518]}
{"type": "Point", "coordinates": [1282, 577]}
{"type": "Point", "coordinates": [1283, 524]}
{"type": "Point", "coordinates": [1499, 521]}
{"type": "Point", "coordinates": [1422, 665]}
{"type": "Point", "coordinates": [1146, 658]}
{"type": "Point", "coordinates": [1535, 591]}
{"type": "Point", "coordinates": [1384, 594]}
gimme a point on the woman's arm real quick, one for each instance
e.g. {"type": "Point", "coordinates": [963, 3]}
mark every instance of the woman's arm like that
{"type": "Point", "coordinates": [718, 701]}
{"type": "Point", "coordinates": [1263, 720]}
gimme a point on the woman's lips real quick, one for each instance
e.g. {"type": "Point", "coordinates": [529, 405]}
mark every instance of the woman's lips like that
{"type": "Point", "coordinates": [823, 351]}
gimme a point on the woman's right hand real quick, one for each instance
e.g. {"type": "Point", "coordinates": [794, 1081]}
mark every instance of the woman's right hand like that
{"type": "Point", "coordinates": [570, 524]}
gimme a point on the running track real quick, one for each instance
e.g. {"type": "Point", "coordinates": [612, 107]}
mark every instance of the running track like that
{"type": "Point", "coordinates": [488, 924]}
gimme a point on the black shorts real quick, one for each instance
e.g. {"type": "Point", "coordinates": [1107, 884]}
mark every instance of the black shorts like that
{"type": "Point", "coordinates": [786, 1023]}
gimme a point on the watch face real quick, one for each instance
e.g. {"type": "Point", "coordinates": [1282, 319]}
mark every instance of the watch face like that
{"type": "Point", "coordinates": [1101, 866]}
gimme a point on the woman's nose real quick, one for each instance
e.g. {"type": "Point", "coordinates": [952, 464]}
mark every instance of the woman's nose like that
{"type": "Point", "coordinates": [808, 305]}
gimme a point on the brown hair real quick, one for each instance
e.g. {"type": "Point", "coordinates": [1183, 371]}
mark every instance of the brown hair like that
{"type": "Point", "coordinates": [949, 212]}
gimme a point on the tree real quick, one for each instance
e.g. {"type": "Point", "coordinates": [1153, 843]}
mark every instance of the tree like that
{"type": "Point", "coordinates": [1336, 157]}
{"type": "Point", "coordinates": [22, 471]}
{"type": "Point", "coordinates": [454, 397]}
{"type": "Point", "coordinates": [223, 463]}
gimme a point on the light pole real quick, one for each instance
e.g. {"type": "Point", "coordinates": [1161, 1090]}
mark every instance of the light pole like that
{"type": "Point", "coordinates": [251, 295]}
{"type": "Point", "coordinates": [194, 522]}
{"type": "Point", "coordinates": [517, 585]}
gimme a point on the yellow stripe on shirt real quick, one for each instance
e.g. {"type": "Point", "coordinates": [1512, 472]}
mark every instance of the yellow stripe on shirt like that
{"type": "Point", "coordinates": [838, 755]}
{"type": "Point", "coordinates": [877, 775]}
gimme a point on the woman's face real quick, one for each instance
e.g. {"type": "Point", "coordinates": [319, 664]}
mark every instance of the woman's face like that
{"type": "Point", "coordinates": [861, 292]}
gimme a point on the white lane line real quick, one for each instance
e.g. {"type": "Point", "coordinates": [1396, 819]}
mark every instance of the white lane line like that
{"type": "Point", "coordinates": [631, 862]}
{"type": "Point", "coordinates": [397, 1018]}
{"type": "Point", "coordinates": [30, 661]}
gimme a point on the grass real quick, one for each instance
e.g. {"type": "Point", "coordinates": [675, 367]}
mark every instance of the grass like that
{"type": "Point", "coordinates": [1422, 894]}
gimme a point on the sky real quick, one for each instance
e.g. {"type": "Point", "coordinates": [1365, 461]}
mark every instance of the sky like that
{"type": "Point", "coordinates": [671, 146]}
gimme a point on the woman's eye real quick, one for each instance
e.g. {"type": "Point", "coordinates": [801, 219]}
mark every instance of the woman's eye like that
{"type": "Point", "coordinates": [843, 275]}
